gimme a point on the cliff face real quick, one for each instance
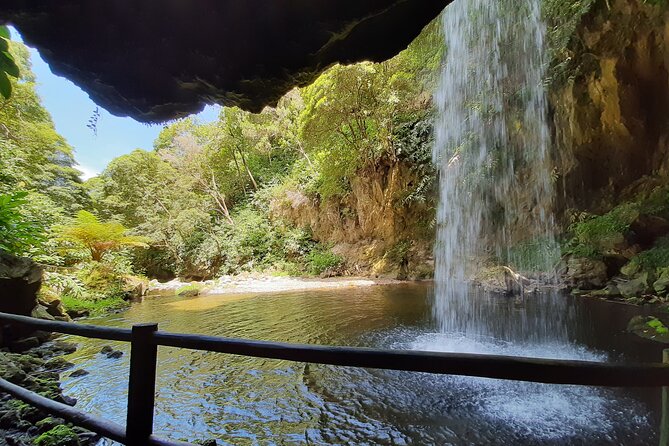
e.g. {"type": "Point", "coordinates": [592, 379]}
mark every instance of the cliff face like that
{"type": "Point", "coordinates": [375, 227]}
{"type": "Point", "coordinates": [611, 122]}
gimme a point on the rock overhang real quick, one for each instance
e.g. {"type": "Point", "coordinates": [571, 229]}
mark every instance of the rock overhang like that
{"type": "Point", "coordinates": [160, 60]}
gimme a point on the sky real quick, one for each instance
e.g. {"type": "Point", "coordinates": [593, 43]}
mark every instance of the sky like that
{"type": "Point", "coordinates": [71, 110]}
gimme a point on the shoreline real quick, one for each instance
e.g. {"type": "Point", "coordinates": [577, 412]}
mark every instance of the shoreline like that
{"type": "Point", "coordinates": [265, 284]}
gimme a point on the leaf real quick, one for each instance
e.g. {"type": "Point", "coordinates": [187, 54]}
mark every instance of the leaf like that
{"type": "Point", "coordinates": [4, 32]}
{"type": "Point", "coordinates": [5, 85]}
{"type": "Point", "coordinates": [8, 65]}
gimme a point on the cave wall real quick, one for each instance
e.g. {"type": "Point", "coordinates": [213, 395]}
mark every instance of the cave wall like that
{"type": "Point", "coordinates": [611, 120]}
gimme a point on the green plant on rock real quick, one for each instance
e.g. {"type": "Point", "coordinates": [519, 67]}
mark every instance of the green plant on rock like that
{"type": "Point", "coordinates": [99, 237]}
{"type": "Point", "coordinates": [595, 235]}
{"type": "Point", "coordinates": [58, 436]}
{"type": "Point", "coordinates": [657, 325]}
{"type": "Point", "coordinates": [655, 257]}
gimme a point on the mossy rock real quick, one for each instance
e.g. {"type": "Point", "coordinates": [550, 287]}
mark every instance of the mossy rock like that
{"type": "Point", "coordinates": [188, 290]}
{"type": "Point", "coordinates": [649, 327]}
{"type": "Point", "coordinates": [58, 436]}
{"type": "Point", "coordinates": [639, 285]}
{"type": "Point", "coordinates": [630, 269]}
{"type": "Point", "coordinates": [609, 290]}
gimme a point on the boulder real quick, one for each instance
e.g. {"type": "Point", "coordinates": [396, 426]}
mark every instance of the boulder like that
{"type": "Point", "coordinates": [42, 312]}
{"type": "Point", "coordinates": [20, 280]}
{"type": "Point", "coordinates": [134, 288]}
{"type": "Point", "coordinates": [661, 285]}
{"type": "Point", "coordinates": [637, 286]}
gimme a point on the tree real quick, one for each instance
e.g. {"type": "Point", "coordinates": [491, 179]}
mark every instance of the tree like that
{"type": "Point", "coordinates": [8, 66]}
{"type": "Point", "coordinates": [17, 233]}
{"type": "Point", "coordinates": [99, 237]}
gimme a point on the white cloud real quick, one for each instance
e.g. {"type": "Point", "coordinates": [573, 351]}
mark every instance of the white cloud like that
{"type": "Point", "coordinates": [86, 172]}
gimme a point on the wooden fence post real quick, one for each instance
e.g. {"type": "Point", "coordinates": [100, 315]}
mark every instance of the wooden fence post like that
{"type": "Point", "coordinates": [141, 384]}
{"type": "Point", "coordinates": [664, 422]}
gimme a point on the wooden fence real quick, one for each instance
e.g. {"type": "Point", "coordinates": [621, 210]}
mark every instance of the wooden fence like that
{"type": "Point", "coordinates": [145, 339]}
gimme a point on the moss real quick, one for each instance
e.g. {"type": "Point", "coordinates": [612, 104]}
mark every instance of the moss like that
{"type": "Point", "coordinates": [93, 305]}
{"type": "Point", "coordinates": [58, 436]}
{"type": "Point", "coordinates": [188, 290]}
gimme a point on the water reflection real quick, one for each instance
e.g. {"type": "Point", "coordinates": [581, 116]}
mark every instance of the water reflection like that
{"type": "Point", "coordinates": [243, 400]}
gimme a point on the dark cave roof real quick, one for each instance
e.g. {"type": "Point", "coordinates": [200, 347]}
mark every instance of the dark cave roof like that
{"type": "Point", "coordinates": [156, 60]}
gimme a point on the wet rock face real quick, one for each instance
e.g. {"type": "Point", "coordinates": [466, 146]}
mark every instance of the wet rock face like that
{"type": "Point", "coordinates": [611, 120]}
{"type": "Point", "coordinates": [156, 61]}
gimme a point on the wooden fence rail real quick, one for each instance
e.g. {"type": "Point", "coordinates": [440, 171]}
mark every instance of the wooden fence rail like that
{"type": "Point", "coordinates": [145, 339]}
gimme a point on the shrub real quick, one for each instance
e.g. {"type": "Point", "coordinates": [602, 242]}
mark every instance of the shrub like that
{"type": "Point", "coordinates": [322, 260]}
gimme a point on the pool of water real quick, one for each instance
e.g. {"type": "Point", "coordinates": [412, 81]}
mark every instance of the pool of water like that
{"type": "Point", "coordinates": [248, 401]}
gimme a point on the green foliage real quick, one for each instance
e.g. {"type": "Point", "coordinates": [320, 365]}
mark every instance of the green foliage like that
{"type": "Point", "coordinates": [595, 235]}
{"type": "Point", "coordinates": [323, 260]}
{"type": "Point", "coordinates": [657, 325]}
{"type": "Point", "coordinates": [8, 65]}
{"type": "Point", "coordinates": [17, 233]}
{"type": "Point", "coordinates": [563, 18]}
{"type": "Point", "coordinates": [536, 255]}
{"type": "Point", "coordinates": [655, 257]}
{"type": "Point", "coordinates": [98, 237]}
{"type": "Point", "coordinates": [58, 436]}
{"type": "Point", "coordinates": [64, 284]}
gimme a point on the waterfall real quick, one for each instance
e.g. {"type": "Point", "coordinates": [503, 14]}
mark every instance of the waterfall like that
{"type": "Point", "coordinates": [492, 151]}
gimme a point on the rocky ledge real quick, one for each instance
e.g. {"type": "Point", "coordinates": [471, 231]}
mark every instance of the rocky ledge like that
{"type": "Point", "coordinates": [156, 61]}
{"type": "Point", "coordinates": [38, 369]}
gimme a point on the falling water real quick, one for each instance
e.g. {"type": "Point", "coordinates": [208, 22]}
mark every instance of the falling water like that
{"type": "Point", "coordinates": [492, 151]}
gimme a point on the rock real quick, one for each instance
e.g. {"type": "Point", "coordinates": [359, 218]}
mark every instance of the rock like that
{"type": "Point", "coordinates": [48, 423]}
{"type": "Point", "coordinates": [648, 228]}
{"type": "Point", "coordinates": [109, 352]}
{"type": "Point", "coordinates": [42, 312]}
{"type": "Point", "coordinates": [78, 373]}
{"type": "Point", "coordinates": [24, 344]}
{"type": "Point", "coordinates": [134, 288]}
{"type": "Point", "coordinates": [267, 51]}
{"type": "Point", "coordinates": [76, 314]}
{"type": "Point", "coordinates": [188, 291]}
{"type": "Point", "coordinates": [10, 371]}
{"type": "Point", "coordinates": [9, 419]}
{"type": "Point", "coordinates": [209, 442]}
{"type": "Point", "coordinates": [630, 269]}
{"type": "Point", "coordinates": [515, 283]}
{"type": "Point", "coordinates": [636, 286]}
{"type": "Point", "coordinates": [661, 285]}
{"type": "Point", "coordinates": [58, 364]}
{"type": "Point", "coordinates": [586, 273]}
{"type": "Point", "coordinates": [649, 328]}
{"type": "Point", "coordinates": [610, 290]}
{"type": "Point", "coordinates": [106, 349]}
{"type": "Point", "coordinates": [67, 400]}
{"type": "Point", "coordinates": [20, 279]}
{"type": "Point", "coordinates": [115, 354]}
